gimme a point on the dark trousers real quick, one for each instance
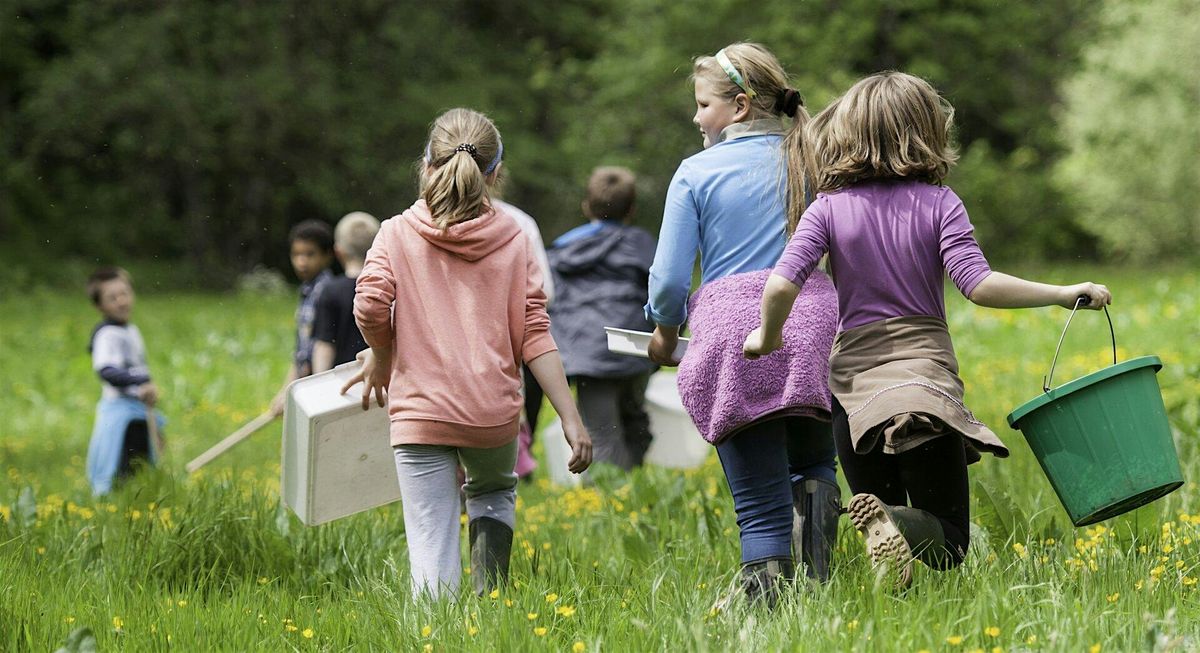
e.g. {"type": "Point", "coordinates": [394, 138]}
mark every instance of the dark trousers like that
{"type": "Point", "coordinates": [762, 462]}
{"type": "Point", "coordinates": [533, 401]}
{"type": "Point", "coordinates": [614, 412]}
{"type": "Point", "coordinates": [136, 448]}
{"type": "Point", "coordinates": [931, 477]}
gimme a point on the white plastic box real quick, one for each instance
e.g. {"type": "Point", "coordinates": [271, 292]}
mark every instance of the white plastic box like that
{"type": "Point", "coordinates": [637, 343]}
{"type": "Point", "coordinates": [676, 441]}
{"type": "Point", "coordinates": [337, 458]}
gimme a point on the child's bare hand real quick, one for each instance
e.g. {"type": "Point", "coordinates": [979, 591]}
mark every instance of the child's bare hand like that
{"type": "Point", "coordinates": [375, 377]}
{"type": "Point", "coordinates": [581, 447]}
{"type": "Point", "coordinates": [756, 345]}
{"type": "Point", "coordinates": [278, 403]}
{"type": "Point", "coordinates": [148, 394]}
{"type": "Point", "coordinates": [662, 346]}
{"type": "Point", "coordinates": [1098, 296]}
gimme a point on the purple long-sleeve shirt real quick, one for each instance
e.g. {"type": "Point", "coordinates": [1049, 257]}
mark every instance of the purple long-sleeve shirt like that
{"type": "Point", "coordinates": [889, 243]}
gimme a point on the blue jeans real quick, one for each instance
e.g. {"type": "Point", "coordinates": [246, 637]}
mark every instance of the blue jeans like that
{"type": "Point", "coordinates": [761, 464]}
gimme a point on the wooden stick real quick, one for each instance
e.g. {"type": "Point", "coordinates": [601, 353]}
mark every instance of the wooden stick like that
{"type": "Point", "coordinates": [229, 442]}
{"type": "Point", "coordinates": [155, 438]}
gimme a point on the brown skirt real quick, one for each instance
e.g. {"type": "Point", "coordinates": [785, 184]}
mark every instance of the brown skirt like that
{"type": "Point", "coordinates": [898, 381]}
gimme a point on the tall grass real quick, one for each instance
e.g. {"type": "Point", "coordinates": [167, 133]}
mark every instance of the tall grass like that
{"type": "Point", "coordinates": [634, 562]}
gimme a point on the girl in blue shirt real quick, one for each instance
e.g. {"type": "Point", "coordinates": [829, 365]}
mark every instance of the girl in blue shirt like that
{"type": "Point", "coordinates": [772, 433]}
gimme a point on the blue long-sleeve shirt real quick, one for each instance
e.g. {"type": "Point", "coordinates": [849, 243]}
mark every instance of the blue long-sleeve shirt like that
{"type": "Point", "coordinates": [728, 202]}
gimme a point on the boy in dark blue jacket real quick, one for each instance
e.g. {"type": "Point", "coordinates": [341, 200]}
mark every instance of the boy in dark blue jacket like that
{"type": "Point", "coordinates": [601, 273]}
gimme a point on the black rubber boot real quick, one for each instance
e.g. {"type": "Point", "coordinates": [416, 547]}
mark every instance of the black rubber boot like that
{"type": "Point", "coordinates": [763, 579]}
{"type": "Point", "coordinates": [896, 535]}
{"type": "Point", "coordinates": [816, 506]}
{"type": "Point", "coordinates": [491, 548]}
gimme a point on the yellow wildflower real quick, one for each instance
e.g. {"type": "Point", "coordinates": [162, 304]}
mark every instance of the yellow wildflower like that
{"type": "Point", "coordinates": [472, 631]}
{"type": "Point", "coordinates": [531, 616]}
{"type": "Point", "coordinates": [551, 597]}
{"type": "Point", "coordinates": [991, 631]}
{"type": "Point", "coordinates": [494, 594]}
{"type": "Point", "coordinates": [291, 628]}
{"type": "Point", "coordinates": [565, 610]}
{"type": "Point", "coordinates": [1020, 549]}
{"type": "Point", "coordinates": [426, 630]}
{"type": "Point", "coordinates": [1094, 648]}
{"type": "Point", "coordinates": [540, 631]}
{"type": "Point", "coordinates": [578, 647]}
{"type": "Point", "coordinates": [118, 623]}
{"type": "Point", "coordinates": [1112, 598]}
{"type": "Point", "coordinates": [428, 648]}
{"type": "Point", "coordinates": [308, 633]}
{"type": "Point", "coordinates": [954, 640]}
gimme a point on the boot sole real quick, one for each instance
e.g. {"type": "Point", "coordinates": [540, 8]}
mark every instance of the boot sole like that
{"type": "Point", "coordinates": [885, 544]}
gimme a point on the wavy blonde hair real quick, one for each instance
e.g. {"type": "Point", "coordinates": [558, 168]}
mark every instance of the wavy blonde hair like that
{"type": "Point", "coordinates": [453, 182]}
{"type": "Point", "coordinates": [773, 98]}
{"type": "Point", "coordinates": [890, 125]}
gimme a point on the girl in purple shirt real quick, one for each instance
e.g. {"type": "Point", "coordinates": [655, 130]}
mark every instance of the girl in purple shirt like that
{"type": "Point", "coordinates": [878, 156]}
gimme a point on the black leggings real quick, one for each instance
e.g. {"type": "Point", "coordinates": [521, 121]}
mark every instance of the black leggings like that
{"type": "Point", "coordinates": [932, 476]}
{"type": "Point", "coordinates": [135, 448]}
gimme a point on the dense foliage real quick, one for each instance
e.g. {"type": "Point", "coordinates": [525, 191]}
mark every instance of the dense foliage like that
{"type": "Point", "coordinates": [198, 133]}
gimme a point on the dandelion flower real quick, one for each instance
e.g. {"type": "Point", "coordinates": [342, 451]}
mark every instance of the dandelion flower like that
{"type": "Point", "coordinates": [531, 616]}
{"type": "Point", "coordinates": [540, 631]}
{"type": "Point", "coordinates": [308, 633]}
{"type": "Point", "coordinates": [551, 597]}
{"type": "Point", "coordinates": [991, 631]}
{"type": "Point", "coordinates": [565, 610]}
{"type": "Point", "coordinates": [472, 631]}
{"type": "Point", "coordinates": [1020, 549]}
{"type": "Point", "coordinates": [118, 623]}
{"type": "Point", "coordinates": [291, 628]}
{"type": "Point", "coordinates": [1112, 598]}
{"type": "Point", "coordinates": [494, 594]}
{"type": "Point", "coordinates": [428, 648]}
{"type": "Point", "coordinates": [426, 630]}
{"type": "Point", "coordinates": [578, 647]}
{"type": "Point", "coordinates": [1031, 640]}
{"type": "Point", "coordinates": [1094, 648]}
{"type": "Point", "coordinates": [954, 640]}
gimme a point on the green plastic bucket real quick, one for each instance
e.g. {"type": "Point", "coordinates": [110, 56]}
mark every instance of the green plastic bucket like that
{"type": "Point", "coordinates": [1103, 439]}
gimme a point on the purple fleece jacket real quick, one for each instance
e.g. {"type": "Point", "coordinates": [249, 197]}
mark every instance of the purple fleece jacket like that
{"type": "Point", "coordinates": [721, 390]}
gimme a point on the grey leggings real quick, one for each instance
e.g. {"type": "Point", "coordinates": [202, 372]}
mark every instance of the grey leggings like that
{"type": "Point", "coordinates": [429, 493]}
{"type": "Point", "coordinates": [614, 412]}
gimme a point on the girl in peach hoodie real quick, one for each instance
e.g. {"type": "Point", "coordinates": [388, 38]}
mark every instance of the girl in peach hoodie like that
{"type": "Point", "coordinates": [450, 300]}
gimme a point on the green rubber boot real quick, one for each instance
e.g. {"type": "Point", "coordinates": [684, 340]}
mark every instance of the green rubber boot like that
{"type": "Point", "coordinates": [897, 535]}
{"type": "Point", "coordinates": [816, 505]}
{"type": "Point", "coordinates": [491, 549]}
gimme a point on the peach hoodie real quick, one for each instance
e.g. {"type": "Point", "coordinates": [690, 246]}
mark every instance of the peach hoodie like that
{"type": "Point", "coordinates": [461, 308]}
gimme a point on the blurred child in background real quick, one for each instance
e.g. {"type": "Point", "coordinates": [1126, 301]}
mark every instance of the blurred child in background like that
{"type": "Point", "coordinates": [311, 251]}
{"type": "Point", "coordinates": [122, 437]}
{"type": "Point", "coordinates": [336, 338]}
{"type": "Point", "coordinates": [601, 270]}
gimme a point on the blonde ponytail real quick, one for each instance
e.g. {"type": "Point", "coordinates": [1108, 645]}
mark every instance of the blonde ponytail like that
{"type": "Point", "coordinates": [464, 150]}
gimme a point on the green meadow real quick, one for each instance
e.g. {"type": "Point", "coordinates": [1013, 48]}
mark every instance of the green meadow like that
{"type": "Point", "coordinates": [633, 562]}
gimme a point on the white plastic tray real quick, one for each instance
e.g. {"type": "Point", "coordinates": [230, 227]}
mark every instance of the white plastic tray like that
{"type": "Point", "coordinates": [637, 343]}
{"type": "Point", "coordinates": [337, 458]}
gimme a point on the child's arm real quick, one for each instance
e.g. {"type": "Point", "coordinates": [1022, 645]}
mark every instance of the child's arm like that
{"type": "Point", "coordinates": [778, 297]}
{"type": "Point", "coordinates": [999, 290]}
{"type": "Point", "coordinates": [323, 355]}
{"type": "Point", "coordinates": [548, 371]}
{"type": "Point", "coordinates": [671, 272]}
{"type": "Point", "coordinates": [280, 399]}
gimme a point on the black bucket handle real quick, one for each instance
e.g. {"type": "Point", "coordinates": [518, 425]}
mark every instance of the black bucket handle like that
{"type": "Point", "coordinates": [1082, 301]}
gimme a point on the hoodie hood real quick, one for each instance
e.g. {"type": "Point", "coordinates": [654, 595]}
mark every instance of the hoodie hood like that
{"type": "Point", "coordinates": [615, 247]}
{"type": "Point", "coordinates": [470, 240]}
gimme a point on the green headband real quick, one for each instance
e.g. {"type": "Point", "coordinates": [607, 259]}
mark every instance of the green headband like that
{"type": "Point", "coordinates": [733, 73]}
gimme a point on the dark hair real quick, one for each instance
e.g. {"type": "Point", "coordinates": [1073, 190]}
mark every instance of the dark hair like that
{"type": "Point", "coordinates": [315, 232]}
{"type": "Point", "coordinates": [103, 275]}
{"type": "Point", "coordinates": [610, 193]}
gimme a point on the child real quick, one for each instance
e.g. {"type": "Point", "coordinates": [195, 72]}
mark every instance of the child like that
{"type": "Point", "coordinates": [770, 425]}
{"type": "Point", "coordinates": [120, 436]}
{"type": "Point", "coordinates": [311, 247]}
{"type": "Point", "coordinates": [879, 154]}
{"type": "Point", "coordinates": [450, 300]}
{"type": "Point", "coordinates": [601, 270]}
{"type": "Point", "coordinates": [336, 339]}
{"type": "Point", "coordinates": [531, 390]}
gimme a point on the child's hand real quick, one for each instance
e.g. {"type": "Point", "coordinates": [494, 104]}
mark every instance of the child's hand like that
{"type": "Point", "coordinates": [1098, 296]}
{"type": "Point", "coordinates": [278, 403]}
{"type": "Point", "coordinates": [148, 394]}
{"type": "Point", "coordinates": [374, 376]}
{"type": "Point", "coordinates": [756, 346]}
{"type": "Point", "coordinates": [581, 446]}
{"type": "Point", "coordinates": [662, 346]}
